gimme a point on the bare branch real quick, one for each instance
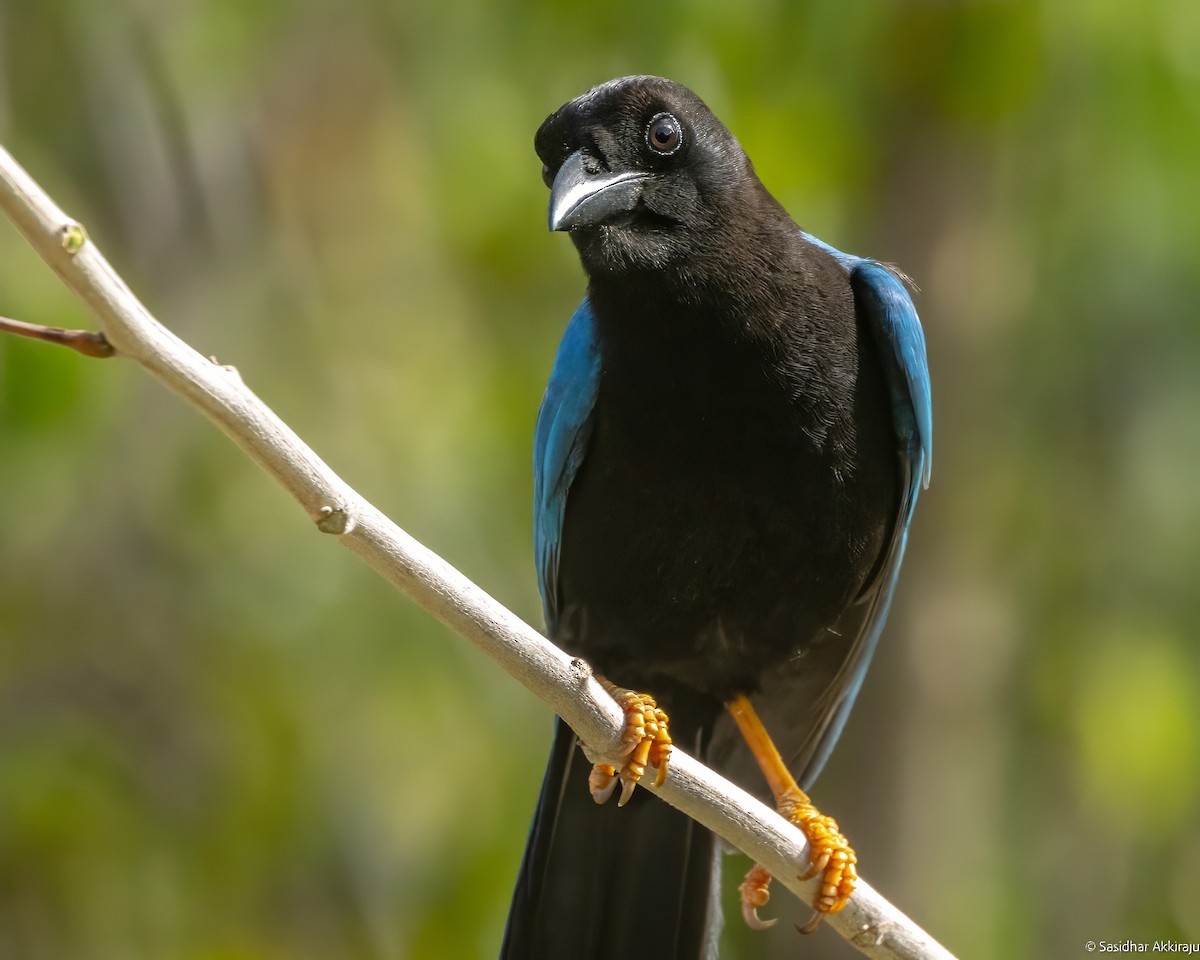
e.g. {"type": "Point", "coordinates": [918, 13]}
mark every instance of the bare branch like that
{"type": "Point", "coordinates": [87, 342]}
{"type": "Point", "coordinates": [566, 684]}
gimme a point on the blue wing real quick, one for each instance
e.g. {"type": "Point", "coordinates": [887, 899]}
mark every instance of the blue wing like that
{"type": "Point", "coordinates": [559, 443]}
{"type": "Point", "coordinates": [885, 307]}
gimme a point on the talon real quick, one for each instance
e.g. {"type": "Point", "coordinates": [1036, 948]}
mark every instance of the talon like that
{"type": "Point", "coordinates": [648, 743]}
{"type": "Point", "coordinates": [602, 782]}
{"type": "Point", "coordinates": [818, 864]}
{"type": "Point", "coordinates": [812, 924]}
{"type": "Point", "coordinates": [755, 892]}
{"type": "Point", "coordinates": [754, 921]}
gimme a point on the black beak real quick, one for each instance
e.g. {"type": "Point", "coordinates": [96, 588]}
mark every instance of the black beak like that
{"type": "Point", "coordinates": [581, 199]}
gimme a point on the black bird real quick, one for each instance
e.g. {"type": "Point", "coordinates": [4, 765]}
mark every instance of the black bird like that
{"type": "Point", "coordinates": [726, 463]}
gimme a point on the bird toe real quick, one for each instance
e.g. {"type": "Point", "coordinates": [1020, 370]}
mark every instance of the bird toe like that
{"type": "Point", "coordinates": [646, 741]}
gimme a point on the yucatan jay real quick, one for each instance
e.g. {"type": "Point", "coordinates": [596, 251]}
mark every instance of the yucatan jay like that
{"type": "Point", "coordinates": [726, 462]}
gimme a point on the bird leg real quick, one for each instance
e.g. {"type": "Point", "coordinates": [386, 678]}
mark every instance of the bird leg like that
{"type": "Point", "coordinates": [829, 852]}
{"type": "Point", "coordinates": [646, 741]}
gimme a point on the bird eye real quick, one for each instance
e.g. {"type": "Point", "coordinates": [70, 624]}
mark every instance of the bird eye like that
{"type": "Point", "coordinates": [664, 135]}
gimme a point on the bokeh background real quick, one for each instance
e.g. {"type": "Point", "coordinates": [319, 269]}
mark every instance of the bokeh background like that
{"type": "Point", "coordinates": [223, 738]}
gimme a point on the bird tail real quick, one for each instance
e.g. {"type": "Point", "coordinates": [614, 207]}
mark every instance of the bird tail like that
{"type": "Point", "coordinates": [599, 881]}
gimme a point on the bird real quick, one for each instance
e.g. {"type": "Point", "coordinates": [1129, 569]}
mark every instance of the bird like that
{"type": "Point", "coordinates": [727, 458]}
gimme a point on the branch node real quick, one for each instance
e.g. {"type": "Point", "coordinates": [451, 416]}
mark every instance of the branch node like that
{"type": "Point", "coordinates": [869, 935]}
{"type": "Point", "coordinates": [229, 368]}
{"type": "Point", "coordinates": [73, 236]}
{"type": "Point", "coordinates": [581, 670]}
{"type": "Point", "coordinates": [335, 520]}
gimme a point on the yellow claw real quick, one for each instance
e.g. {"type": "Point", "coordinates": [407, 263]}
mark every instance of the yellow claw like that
{"type": "Point", "coordinates": [831, 856]}
{"type": "Point", "coordinates": [647, 742]}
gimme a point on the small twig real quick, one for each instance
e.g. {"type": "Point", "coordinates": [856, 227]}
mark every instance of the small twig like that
{"type": "Point", "coordinates": [87, 342]}
{"type": "Point", "coordinates": [869, 922]}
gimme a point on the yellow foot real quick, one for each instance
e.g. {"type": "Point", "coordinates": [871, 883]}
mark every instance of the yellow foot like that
{"type": "Point", "coordinates": [646, 740]}
{"type": "Point", "coordinates": [756, 891]}
{"type": "Point", "coordinates": [830, 852]}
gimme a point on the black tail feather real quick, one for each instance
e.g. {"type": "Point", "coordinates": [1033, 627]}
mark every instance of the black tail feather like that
{"type": "Point", "coordinates": [604, 882]}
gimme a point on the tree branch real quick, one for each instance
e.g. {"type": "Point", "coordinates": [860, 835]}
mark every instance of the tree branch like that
{"type": "Point", "coordinates": [87, 342]}
{"type": "Point", "coordinates": [566, 684]}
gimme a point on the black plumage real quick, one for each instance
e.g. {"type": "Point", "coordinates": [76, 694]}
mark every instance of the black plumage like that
{"type": "Point", "coordinates": [720, 489]}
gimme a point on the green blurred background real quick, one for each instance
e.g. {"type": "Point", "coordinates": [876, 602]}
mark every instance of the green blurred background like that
{"type": "Point", "coordinates": [223, 738]}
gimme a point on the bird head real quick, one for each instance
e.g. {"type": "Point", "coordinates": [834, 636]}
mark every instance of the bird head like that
{"type": "Point", "coordinates": [640, 172]}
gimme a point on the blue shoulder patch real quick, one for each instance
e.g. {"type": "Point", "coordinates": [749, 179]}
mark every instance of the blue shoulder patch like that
{"type": "Point", "coordinates": [883, 300]}
{"type": "Point", "coordinates": [559, 443]}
